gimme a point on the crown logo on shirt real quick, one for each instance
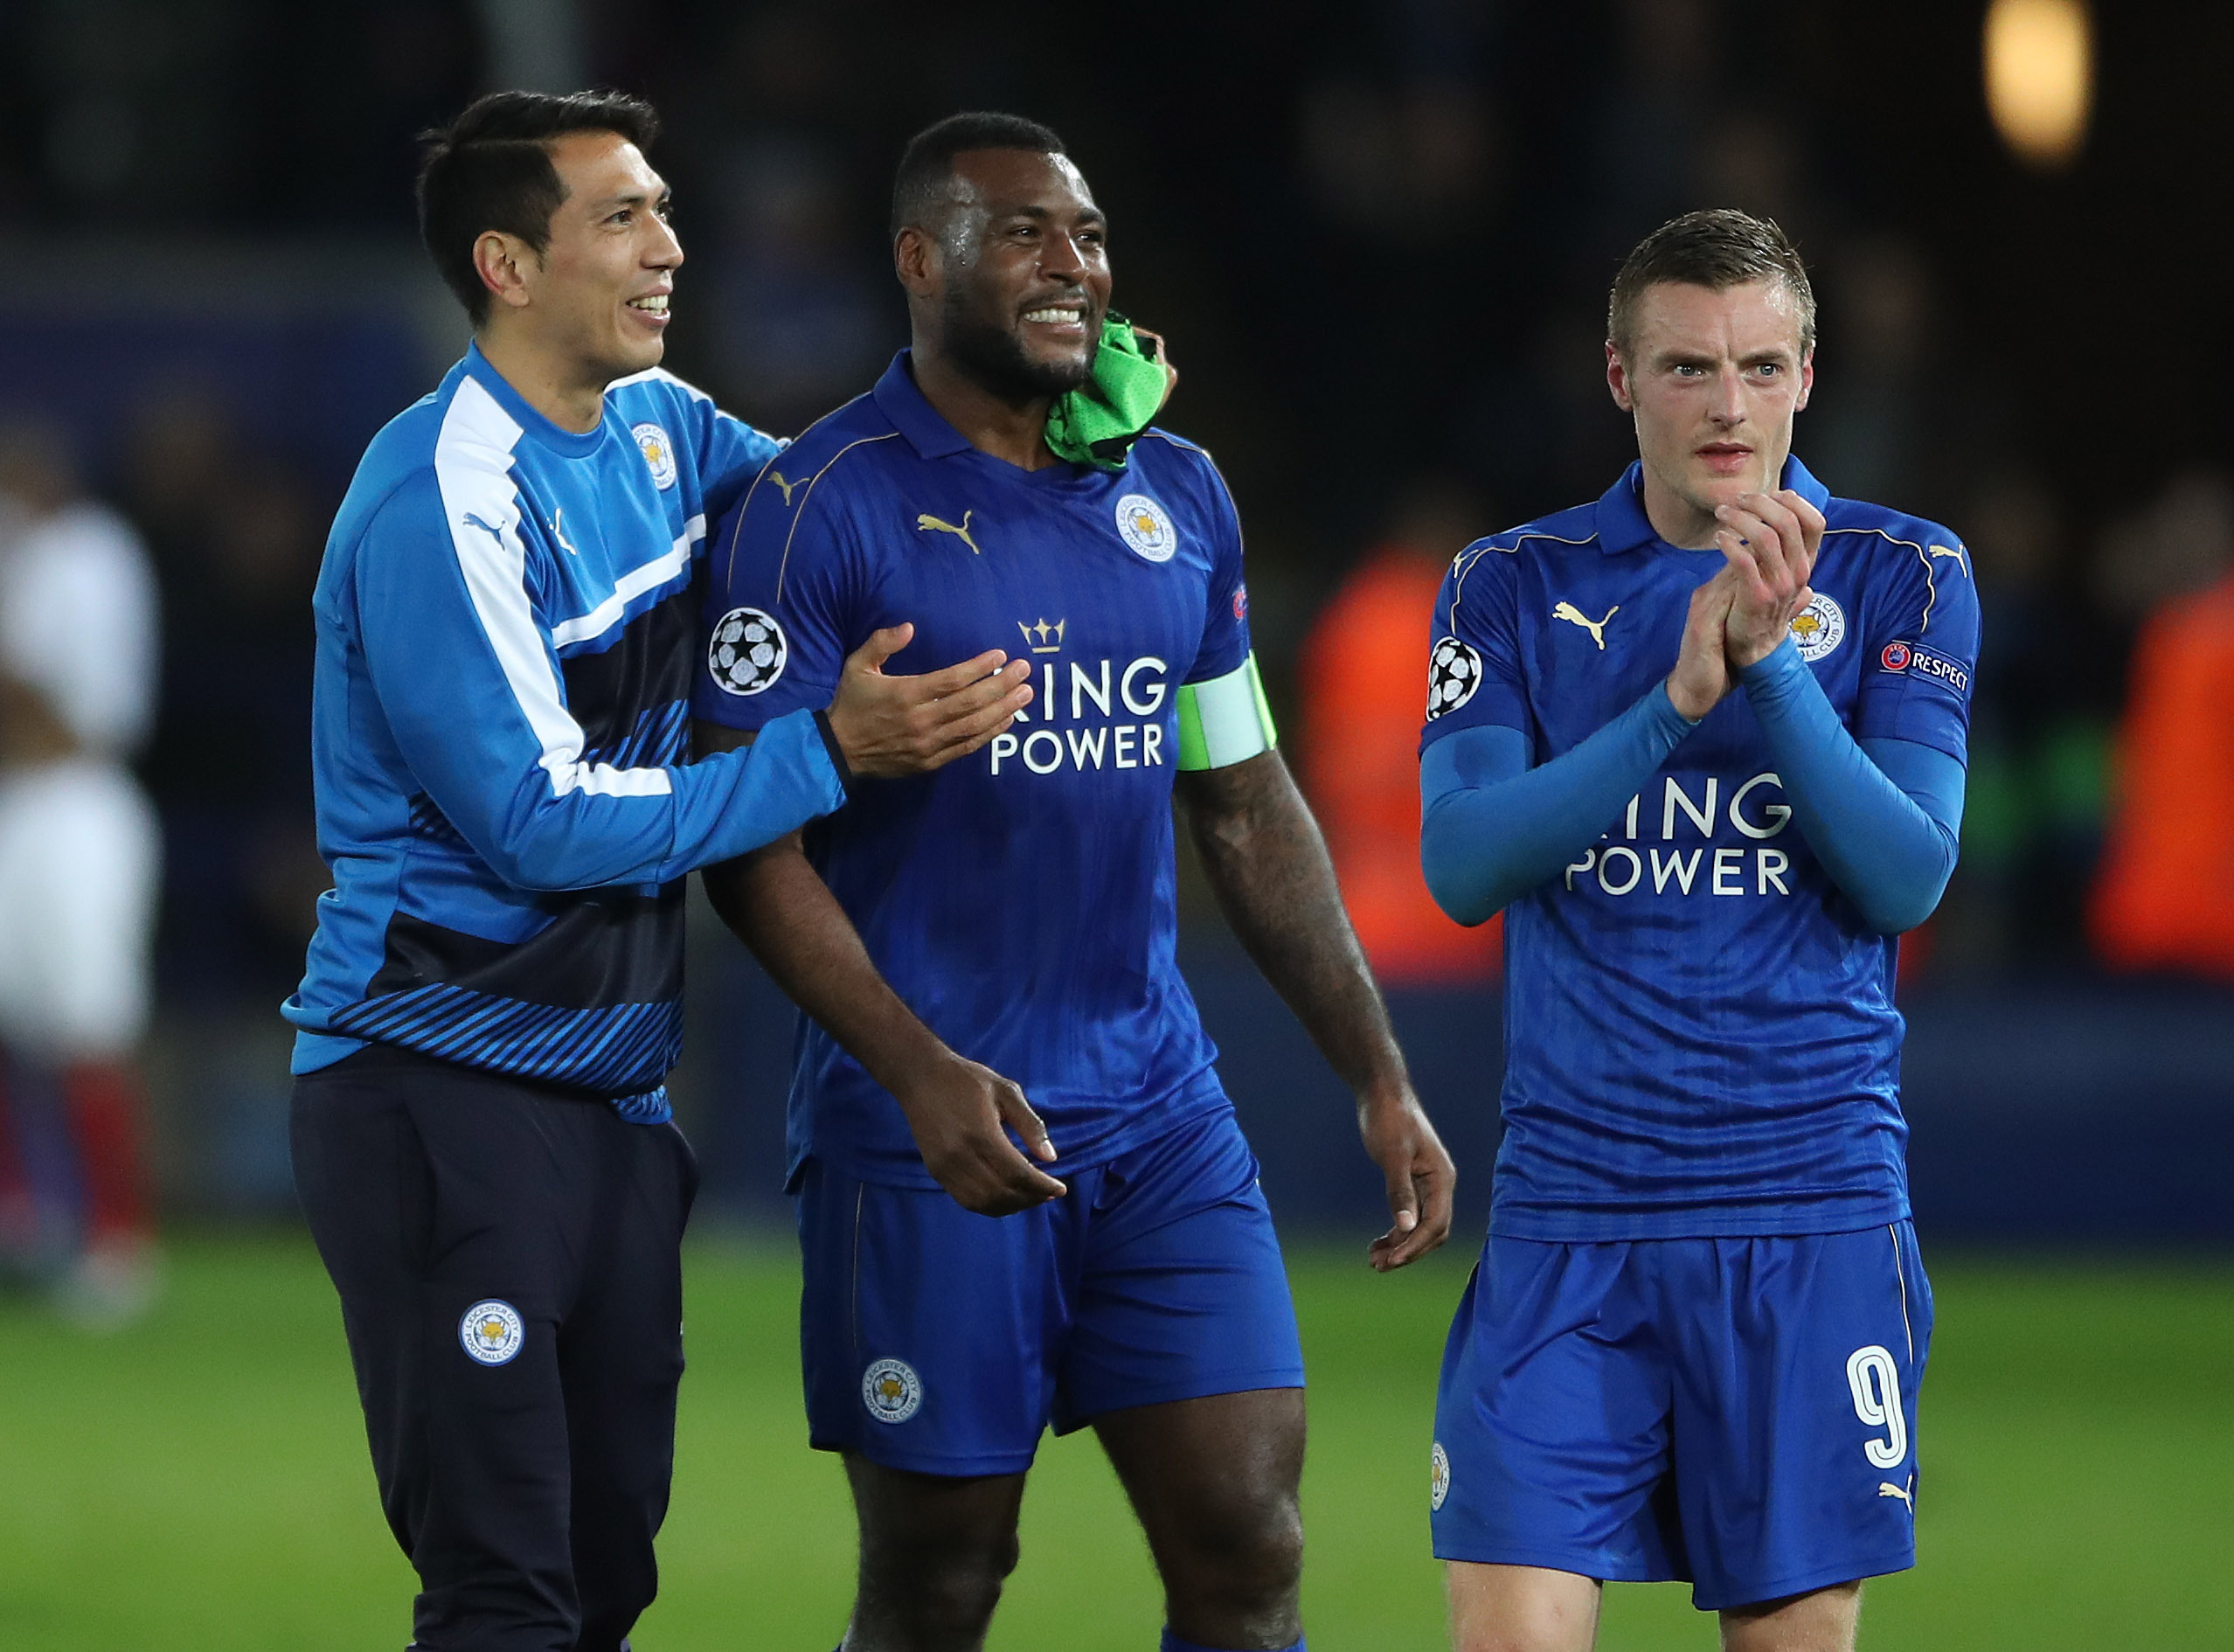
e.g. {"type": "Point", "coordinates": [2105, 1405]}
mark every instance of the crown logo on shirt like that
{"type": "Point", "coordinates": [1045, 638]}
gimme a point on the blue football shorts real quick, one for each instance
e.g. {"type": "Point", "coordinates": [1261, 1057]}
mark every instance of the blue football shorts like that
{"type": "Point", "coordinates": [942, 1342]}
{"type": "Point", "coordinates": [1737, 1413]}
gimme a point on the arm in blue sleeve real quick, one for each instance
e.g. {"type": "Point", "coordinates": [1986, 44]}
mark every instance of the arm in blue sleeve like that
{"type": "Point", "coordinates": [1492, 828]}
{"type": "Point", "coordinates": [468, 684]}
{"type": "Point", "coordinates": [1883, 817]}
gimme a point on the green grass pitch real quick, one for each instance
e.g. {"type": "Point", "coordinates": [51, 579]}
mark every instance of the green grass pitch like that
{"type": "Point", "coordinates": [201, 1481]}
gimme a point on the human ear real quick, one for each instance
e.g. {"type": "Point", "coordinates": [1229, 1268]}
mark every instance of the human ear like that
{"type": "Point", "coordinates": [1617, 380]}
{"type": "Point", "coordinates": [502, 262]}
{"type": "Point", "coordinates": [915, 260]}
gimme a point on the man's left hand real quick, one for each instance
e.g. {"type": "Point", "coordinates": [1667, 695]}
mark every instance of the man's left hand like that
{"type": "Point", "coordinates": [1770, 541]}
{"type": "Point", "coordinates": [1419, 1175]}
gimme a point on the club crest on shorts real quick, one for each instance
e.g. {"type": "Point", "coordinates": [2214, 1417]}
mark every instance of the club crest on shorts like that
{"type": "Point", "coordinates": [892, 1391]}
{"type": "Point", "coordinates": [747, 651]}
{"type": "Point", "coordinates": [1454, 672]}
{"type": "Point", "coordinates": [658, 452]}
{"type": "Point", "coordinates": [491, 1332]}
{"type": "Point", "coordinates": [1439, 1475]}
{"type": "Point", "coordinates": [1819, 627]}
{"type": "Point", "coordinates": [1141, 524]}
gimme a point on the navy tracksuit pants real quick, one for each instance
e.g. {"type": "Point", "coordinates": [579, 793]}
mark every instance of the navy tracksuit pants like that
{"type": "Point", "coordinates": [508, 1257]}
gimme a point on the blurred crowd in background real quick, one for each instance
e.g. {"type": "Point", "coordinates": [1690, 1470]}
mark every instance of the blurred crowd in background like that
{"type": "Point", "coordinates": [1378, 238]}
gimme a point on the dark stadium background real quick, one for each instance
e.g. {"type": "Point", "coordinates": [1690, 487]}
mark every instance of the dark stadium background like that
{"type": "Point", "coordinates": [1378, 238]}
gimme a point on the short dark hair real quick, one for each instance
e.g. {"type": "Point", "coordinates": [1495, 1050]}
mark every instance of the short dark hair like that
{"type": "Point", "coordinates": [1718, 250]}
{"type": "Point", "coordinates": [928, 160]}
{"type": "Point", "coordinates": [490, 169]}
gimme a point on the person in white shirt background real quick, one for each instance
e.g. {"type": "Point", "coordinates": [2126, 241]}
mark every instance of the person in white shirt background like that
{"type": "Point", "coordinates": [81, 855]}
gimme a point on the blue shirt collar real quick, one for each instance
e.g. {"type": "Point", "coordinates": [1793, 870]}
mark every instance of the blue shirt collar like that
{"type": "Point", "coordinates": [573, 443]}
{"type": "Point", "coordinates": [914, 417]}
{"type": "Point", "coordinates": [1622, 525]}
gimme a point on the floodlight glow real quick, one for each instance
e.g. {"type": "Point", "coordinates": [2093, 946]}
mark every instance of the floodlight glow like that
{"type": "Point", "coordinates": [2040, 77]}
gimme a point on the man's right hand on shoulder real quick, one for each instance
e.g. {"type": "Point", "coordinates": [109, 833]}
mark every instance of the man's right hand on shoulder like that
{"type": "Point", "coordinates": [956, 1110]}
{"type": "Point", "coordinates": [889, 725]}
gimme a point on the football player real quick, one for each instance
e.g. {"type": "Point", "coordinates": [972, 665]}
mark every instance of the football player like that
{"type": "Point", "coordinates": [1702, 741]}
{"type": "Point", "coordinates": [996, 944]}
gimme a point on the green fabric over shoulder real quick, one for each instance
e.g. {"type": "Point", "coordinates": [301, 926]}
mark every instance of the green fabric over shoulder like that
{"type": "Point", "coordinates": [1098, 423]}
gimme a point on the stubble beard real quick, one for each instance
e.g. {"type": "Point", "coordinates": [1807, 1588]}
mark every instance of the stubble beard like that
{"type": "Point", "coordinates": [993, 355]}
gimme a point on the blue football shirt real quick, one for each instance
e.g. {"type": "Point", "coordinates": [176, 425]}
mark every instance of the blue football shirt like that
{"type": "Point", "coordinates": [1700, 1032]}
{"type": "Point", "coordinates": [1021, 900]}
{"type": "Point", "coordinates": [506, 635]}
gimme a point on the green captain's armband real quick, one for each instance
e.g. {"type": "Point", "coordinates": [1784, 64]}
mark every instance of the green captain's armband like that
{"type": "Point", "coordinates": [1225, 720]}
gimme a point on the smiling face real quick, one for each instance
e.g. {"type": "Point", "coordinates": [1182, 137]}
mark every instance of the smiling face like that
{"type": "Point", "coordinates": [1012, 280]}
{"type": "Point", "coordinates": [596, 296]}
{"type": "Point", "coordinates": [1713, 380]}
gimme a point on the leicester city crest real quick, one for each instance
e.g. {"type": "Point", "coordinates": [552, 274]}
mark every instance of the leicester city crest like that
{"type": "Point", "coordinates": [747, 651]}
{"type": "Point", "coordinates": [1143, 525]}
{"type": "Point", "coordinates": [1439, 1475]}
{"type": "Point", "coordinates": [491, 1332]}
{"type": "Point", "coordinates": [1819, 627]}
{"type": "Point", "coordinates": [1454, 672]}
{"type": "Point", "coordinates": [892, 1391]}
{"type": "Point", "coordinates": [659, 452]}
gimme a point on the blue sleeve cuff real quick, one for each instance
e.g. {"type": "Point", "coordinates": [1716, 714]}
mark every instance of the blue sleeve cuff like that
{"type": "Point", "coordinates": [735, 802]}
{"type": "Point", "coordinates": [844, 769]}
{"type": "Point", "coordinates": [1661, 715]}
{"type": "Point", "coordinates": [1779, 665]}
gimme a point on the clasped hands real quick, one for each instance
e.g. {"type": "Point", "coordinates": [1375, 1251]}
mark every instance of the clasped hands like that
{"type": "Point", "coordinates": [1768, 543]}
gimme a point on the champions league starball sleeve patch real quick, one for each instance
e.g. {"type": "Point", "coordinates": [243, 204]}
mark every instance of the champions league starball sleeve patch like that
{"type": "Point", "coordinates": [1454, 674]}
{"type": "Point", "coordinates": [747, 651]}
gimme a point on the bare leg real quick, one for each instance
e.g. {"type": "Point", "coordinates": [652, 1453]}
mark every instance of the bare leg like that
{"type": "Point", "coordinates": [1521, 1608]}
{"type": "Point", "coordinates": [1824, 1621]}
{"type": "Point", "coordinates": [934, 1552]}
{"type": "Point", "coordinates": [1215, 1482]}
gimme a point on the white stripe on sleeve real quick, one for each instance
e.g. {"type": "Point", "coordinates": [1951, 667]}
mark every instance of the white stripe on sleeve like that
{"type": "Point", "coordinates": [473, 462]}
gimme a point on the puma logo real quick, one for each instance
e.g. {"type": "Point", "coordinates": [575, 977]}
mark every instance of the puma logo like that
{"type": "Point", "coordinates": [1886, 1489]}
{"type": "Point", "coordinates": [928, 524]}
{"type": "Point", "coordinates": [559, 534]}
{"type": "Point", "coordinates": [1574, 615]}
{"type": "Point", "coordinates": [1935, 552]}
{"type": "Point", "coordinates": [493, 532]}
{"type": "Point", "coordinates": [776, 476]}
